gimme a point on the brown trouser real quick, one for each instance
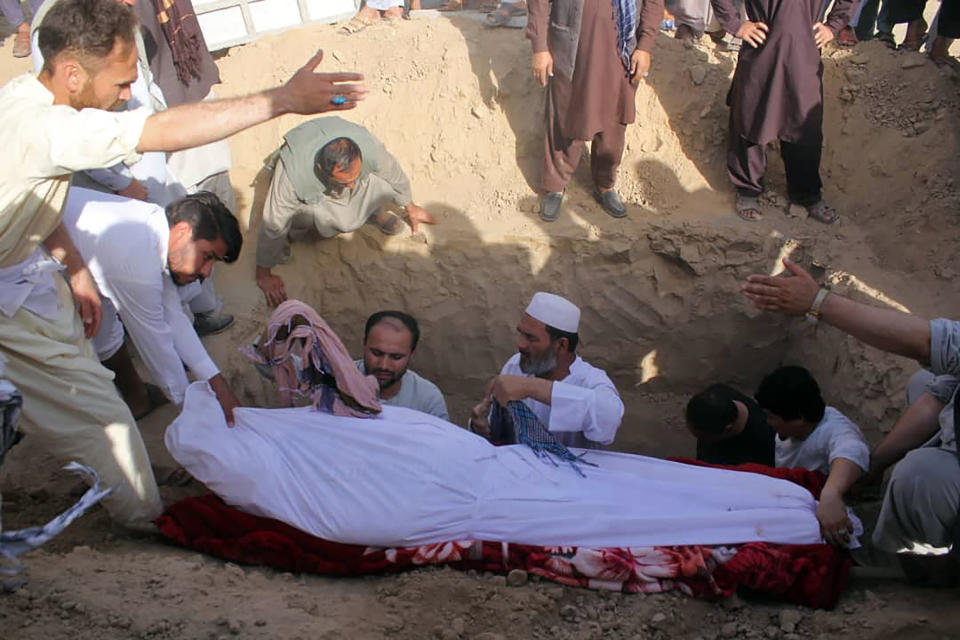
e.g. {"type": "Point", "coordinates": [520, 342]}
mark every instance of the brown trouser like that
{"type": "Point", "coordinates": [747, 164]}
{"type": "Point", "coordinates": [562, 155]}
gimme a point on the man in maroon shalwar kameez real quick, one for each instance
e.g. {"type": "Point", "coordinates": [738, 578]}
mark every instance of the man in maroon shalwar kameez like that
{"type": "Point", "coordinates": [591, 88]}
{"type": "Point", "coordinates": [777, 93]}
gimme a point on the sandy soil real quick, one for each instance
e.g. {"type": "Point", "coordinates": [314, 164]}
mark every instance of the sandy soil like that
{"type": "Point", "coordinates": [662, 314]}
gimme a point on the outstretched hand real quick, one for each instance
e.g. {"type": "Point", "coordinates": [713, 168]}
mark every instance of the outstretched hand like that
{"type": "Point", "coordinates": [415, 215]}
{"type": "Point", "coordinates": [309, 92]}
{"type": "Point", "coordinates": [793, 295]}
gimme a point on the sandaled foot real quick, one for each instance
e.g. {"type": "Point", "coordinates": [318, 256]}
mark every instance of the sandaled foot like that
{"type": "Point", "coordinates": [550, 205]}
{"type": "Point", "coordinates": [364, 18]}
{"type": "Point", "coordinates": [717, 36]}
{"type": "Point", "coordinates": [21, 45]}
{"type": "Point", "coordinates": [748, 208]}
{"type": "Point", "coordinates": [393, 13]}
{"type": "Point", "coordinates": [500, 16]}
{"type": "Point", "coordinates": [611, 202]}
{"type": "Point", "coordinates": [940, 52]}
{"type": "Point", "coordinates": [451, 5]}
{"type": "Point", "coordinates": [822, 212]}
{"type": "Point", "coordinates": [847, 37]}
{"type": "Point", "coordinates": [389, 223]}
{"type": "Point", "coordinates": [886, 38]}
{"type": "Point", "coordinates": [916, 34]}
{"type": "Point", "coordinates": [686, 32]}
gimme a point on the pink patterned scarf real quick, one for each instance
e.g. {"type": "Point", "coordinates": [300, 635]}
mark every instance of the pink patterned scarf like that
{"type": "Point", "coordinates": [327, 373]}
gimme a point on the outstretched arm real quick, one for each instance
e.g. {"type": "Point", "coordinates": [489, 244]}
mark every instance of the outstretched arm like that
{"type": "Point", "coordinates": [886, 329]}
{"type": "Point", "coordinates": [307, 92]}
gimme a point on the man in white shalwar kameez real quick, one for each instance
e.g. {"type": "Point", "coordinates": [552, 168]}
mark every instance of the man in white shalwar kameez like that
{"type": "Point", "coordinates": [52, 125]}
{"type": "Point", "coordinates": [575, 401]}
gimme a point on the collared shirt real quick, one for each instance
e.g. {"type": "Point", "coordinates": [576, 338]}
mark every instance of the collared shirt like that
{"type": "Point", "coordinates": [416, 392]}
{"type": "Point", "coordinates": [44, 143]}
{"type": "Point", "coordinates": [585, 409]}
{"type": "Point", "coordinates": [124, 243]}
{"type": "Point", "coordinates": [835, 436]}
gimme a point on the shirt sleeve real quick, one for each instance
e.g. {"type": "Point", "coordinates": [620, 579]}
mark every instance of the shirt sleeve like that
{"type": "Point", "coordinates": [596, 410]}
{"type": "Point", "coordinates": [846, 441]}
{"type": "Point", "coordinates": [186, 342]}
{"type": "Point", "coordinates": [942, 388]}
{"type": "Point", "coordinates": [140, 303]}
{"type": "Point", "coordinates": [538, 24]}
{"type": "Point", "coordinates": [91, 138]}
{"type": "Point", "coordinates": [389, 170]}
{"type": "Point", "coordinates": [840, 15]}
{"type": "Point", "coordinates": [435, 404]}
{"type": "Point", "coordinates": [279, 210]}
{"type": "Point", "coordinates": [945, 347]}
{"type": "Point", "coordinates": [116, 178]}
{"type": "Point", "coordinates": [651, 15]}
{"type": "Point", "coordinates": [727, 15]}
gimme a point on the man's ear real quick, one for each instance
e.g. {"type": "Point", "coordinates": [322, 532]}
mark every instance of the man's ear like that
{"type": "Point", "coordinates": [75, 77]}
{"type": "Point", "coordinates": [563, 343]}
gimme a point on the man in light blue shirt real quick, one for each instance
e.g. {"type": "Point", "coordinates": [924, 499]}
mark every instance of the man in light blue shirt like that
{"type": "Point", "coordinates": [389, 340]}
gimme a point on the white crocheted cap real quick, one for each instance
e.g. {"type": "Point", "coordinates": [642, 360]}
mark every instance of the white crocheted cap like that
{"type": "Point", "coordinates": [554, 310]}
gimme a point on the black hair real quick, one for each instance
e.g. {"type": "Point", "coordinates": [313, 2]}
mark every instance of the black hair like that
{"type": "Point", "coordinates": [408, 321]}
{"type": "Point", "coordinates": [790, 393]}
{"type": "Point", "coordinates": [209, 219]}
{"type": "Point", "coordinates": [711, 411]}
{"type": "Point", "coordinates": [573, 339]}
{"type": "Point", "coordinates": [336, 155]}
{"type": "Point", "coordinates": [86, 28]}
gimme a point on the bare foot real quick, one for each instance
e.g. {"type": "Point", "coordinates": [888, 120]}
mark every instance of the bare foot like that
{"type": "Point", "coordinates": [393, 13]}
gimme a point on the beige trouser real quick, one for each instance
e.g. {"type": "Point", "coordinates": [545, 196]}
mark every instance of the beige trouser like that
{"type": "Point", "coordinates": [72, 409]}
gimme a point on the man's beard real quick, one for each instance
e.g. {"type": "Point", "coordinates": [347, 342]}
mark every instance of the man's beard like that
{"type": "Point", "coordinates": [182, 279]}
{"type": "Point", "coordinates": [539, 367]}
{"type": "Point", "coordinates": [389, 382]}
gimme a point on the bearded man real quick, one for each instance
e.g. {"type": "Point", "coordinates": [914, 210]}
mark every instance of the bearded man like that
{"type": "Point", "coordinates": [389, 340]}
{"type": "Point", "coordinates": [575, 401]}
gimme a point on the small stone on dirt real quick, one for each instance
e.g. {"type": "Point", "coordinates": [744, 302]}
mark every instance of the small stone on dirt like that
{"type": "Point", "coordinates": [517, 578]}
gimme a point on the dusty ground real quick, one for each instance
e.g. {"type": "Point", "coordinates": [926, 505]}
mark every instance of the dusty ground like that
{"type": "Point", "coordinates": [662, 314]}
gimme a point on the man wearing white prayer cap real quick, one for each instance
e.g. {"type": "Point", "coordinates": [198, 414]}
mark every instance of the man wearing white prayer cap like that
{"type": "Point", "coordinates": [574, 400]}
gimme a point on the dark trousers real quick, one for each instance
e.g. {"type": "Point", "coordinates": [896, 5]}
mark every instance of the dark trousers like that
{"type": "Point", "coordinates": [747, 164]}
{"type": "Point", "coordinates": [900, 11]}
{"type": "Point", "coordinates": [561, 155]}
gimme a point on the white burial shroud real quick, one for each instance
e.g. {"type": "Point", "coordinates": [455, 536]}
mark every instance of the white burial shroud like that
{"type": "Point", "coordinates": [407, 478]}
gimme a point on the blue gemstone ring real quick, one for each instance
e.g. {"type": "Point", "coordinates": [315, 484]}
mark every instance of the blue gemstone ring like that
{"type": "Point", "coordinates": [338, 99]}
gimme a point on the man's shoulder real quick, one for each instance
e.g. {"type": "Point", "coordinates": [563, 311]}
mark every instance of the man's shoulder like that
{"type": "Point", "coordinates": [834, 422]}
{"type": "Point", "coordinates": [422, 384]}
{"type": "Point", "coordinates": [582, 368]}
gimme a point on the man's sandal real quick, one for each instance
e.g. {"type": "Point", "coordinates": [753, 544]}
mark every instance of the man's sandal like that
{"type": "Point", "coordinates": [748, 208]}
{"type": "Point", "coordinates": [500, 16]}
{"type": "Point", "coordinates": [356, 24]}
{"type": "Point", "coordinates": [822, 212]}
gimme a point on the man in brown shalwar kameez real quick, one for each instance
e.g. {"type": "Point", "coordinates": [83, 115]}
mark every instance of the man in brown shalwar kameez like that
{"type": "Point", "coordinates": [777, 93]}
{"type": "Point", "coordinates": [591, 68]}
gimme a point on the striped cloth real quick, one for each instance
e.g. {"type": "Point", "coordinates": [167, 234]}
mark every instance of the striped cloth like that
{"type": "Point", "coordinates": [517, 424]}
{"type": "Point", "coordinates": [625, 13]}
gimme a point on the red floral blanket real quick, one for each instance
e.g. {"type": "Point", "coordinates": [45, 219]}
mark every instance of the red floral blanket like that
{"type": "Point", "coordinates": [812, 575]}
